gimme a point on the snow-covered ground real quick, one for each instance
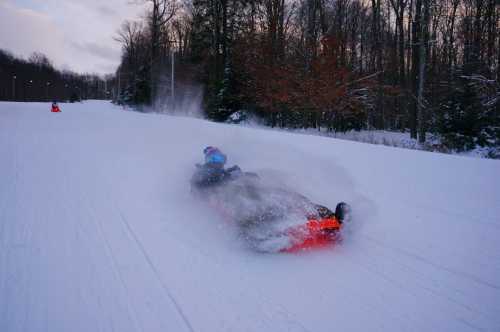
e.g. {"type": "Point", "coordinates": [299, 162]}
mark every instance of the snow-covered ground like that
{"type": "Point", "coordinates": [99, 231]}
{"type": "Point", "coordinates": [388, 138]}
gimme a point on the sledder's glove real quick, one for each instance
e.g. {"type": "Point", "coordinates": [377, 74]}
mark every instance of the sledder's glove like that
{"type": "Point", "coordinates": [235, 169]}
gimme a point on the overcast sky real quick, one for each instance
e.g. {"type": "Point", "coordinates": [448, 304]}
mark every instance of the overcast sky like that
{"type": "Point", "coordinates": [74, 34]}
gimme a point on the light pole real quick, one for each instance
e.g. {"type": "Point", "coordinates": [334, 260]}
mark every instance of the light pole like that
{"type": "Point", "coordinates": [28, 95]}
{"type": "Point", "coordinates": [14, 87]}
{"type": "Point", "coordinates": [47, 91]}
{"type": "Point", "coordinates": [118, 92]}
{"type": "Point", "coordinates": [173, 78]}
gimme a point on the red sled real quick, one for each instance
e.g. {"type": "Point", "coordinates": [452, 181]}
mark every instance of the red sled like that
{"type": "Point", "coordinates": [315, 234]}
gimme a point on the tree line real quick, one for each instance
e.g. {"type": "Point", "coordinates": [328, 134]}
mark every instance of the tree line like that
{"type": "Point", "coordinates": [36, 79]}
{"type": "Point", "coordinates": [411, 65]}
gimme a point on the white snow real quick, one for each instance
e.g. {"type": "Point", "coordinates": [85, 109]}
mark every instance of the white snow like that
{"type": "Point", "coordinates": [99, 231]}
{"type": "Point", "coordinates": [384, 137]}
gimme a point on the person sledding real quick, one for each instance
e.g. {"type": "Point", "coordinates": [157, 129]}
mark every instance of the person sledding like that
{"type": "Point", "coordinates": [212, 171]}
{"type": "Point", "coordinates": [263, 211]}
{"type": "Point", "coordinates": [55, 108]}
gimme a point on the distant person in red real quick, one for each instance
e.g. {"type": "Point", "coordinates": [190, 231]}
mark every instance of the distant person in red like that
{"type": "Point", "coordinates": [55, 108]}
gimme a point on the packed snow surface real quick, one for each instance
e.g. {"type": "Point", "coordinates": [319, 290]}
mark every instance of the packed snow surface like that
{"type": "Point", "coordinates": [99, 231]}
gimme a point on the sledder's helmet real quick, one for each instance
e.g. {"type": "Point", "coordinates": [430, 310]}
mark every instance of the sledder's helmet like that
{"type": "Point", "coordinates": [209, 149]}
{"type": "Point", "coordinates": [214, 156]}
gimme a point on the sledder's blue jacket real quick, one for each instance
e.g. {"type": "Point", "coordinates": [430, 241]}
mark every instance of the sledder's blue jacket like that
{"type": "Point", "coordinates": [216, 158]}
{"type": "Point", "coordinates": [212, 172]}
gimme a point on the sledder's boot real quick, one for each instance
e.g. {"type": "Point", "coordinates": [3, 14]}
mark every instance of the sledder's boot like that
{"type": "Point", "coordinates": [323, 221]}
{"type": "Point", "coordinates": [343, 212]}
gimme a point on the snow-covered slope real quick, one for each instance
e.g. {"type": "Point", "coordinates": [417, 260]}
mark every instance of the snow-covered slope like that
{"type": "Point", "coordinates": [99, 231]}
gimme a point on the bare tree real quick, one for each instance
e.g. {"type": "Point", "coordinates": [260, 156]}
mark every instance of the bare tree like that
{"type": "Point", "coordinates": [161, 12]}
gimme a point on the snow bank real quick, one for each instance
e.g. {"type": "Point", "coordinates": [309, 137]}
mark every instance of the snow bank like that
{"type": "Point", "coordinates": [383, 137]}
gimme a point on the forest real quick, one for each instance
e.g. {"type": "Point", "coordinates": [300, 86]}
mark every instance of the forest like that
{"type": "Point", "coordinates": [427, 67]}
{"type": "Point", "coordinates": [36, 79]}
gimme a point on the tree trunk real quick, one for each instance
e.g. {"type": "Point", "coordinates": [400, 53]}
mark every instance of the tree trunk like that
{"type": "Point", "coordinates": [451, 46]}
{"type": "Point", "coordinates": [492, 31]}
{"type": "Point", "coordinates": [402, 78]}
{"type": "Point", "coordinates": [416, 39]}
{"type": "Point", "coordinates": [310, 33]}
{"type": "Point", "coordinates": [424, 45]}
{"type": "Point", "coordinates": [498, 49]}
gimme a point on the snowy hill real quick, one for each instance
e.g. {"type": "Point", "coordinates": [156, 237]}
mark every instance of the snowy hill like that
{"type": "Point", "coordinates": [99, 231]}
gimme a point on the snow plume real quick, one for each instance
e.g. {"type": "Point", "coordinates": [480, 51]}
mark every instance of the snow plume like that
{"type": "Point", "coordinates": [262, 212]}
{"type": "Point", "coordinates": [185, 101]}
